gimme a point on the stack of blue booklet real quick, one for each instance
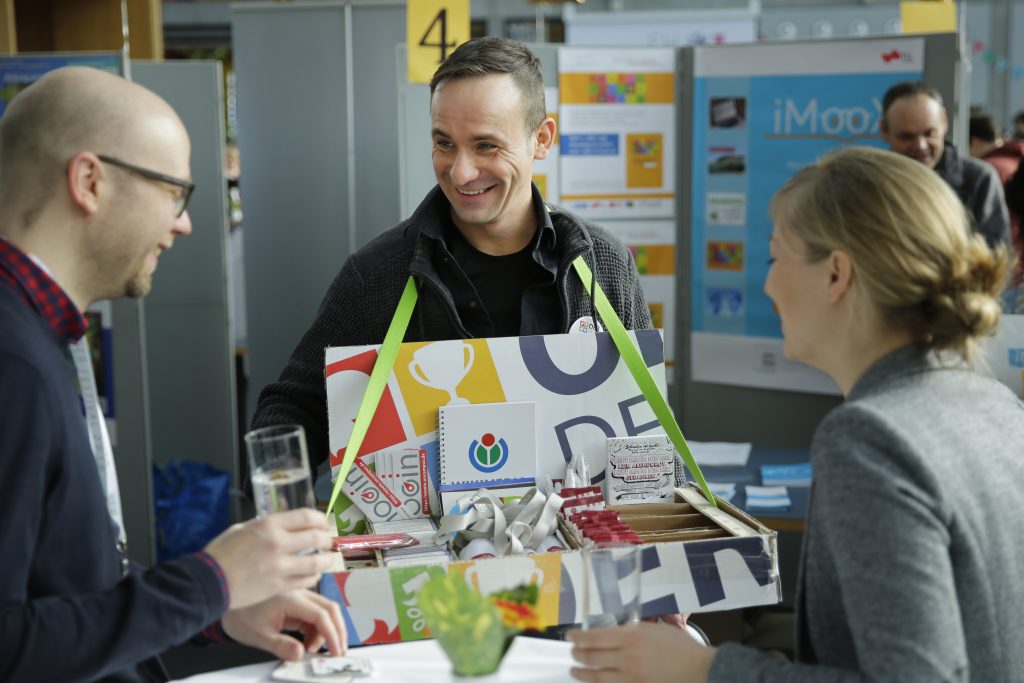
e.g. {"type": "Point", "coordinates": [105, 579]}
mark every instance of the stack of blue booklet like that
{"type": "Point", "coordinates": [786, 475]}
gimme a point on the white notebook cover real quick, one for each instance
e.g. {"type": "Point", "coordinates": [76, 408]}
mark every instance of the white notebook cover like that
{"type": "Point", "coordinates": [487, 444]}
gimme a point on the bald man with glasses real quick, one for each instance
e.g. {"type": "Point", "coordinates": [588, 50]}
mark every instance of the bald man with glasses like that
{"type": "Point", "coordinates": [94, 188]}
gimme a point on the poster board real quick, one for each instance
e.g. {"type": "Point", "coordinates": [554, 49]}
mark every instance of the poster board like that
{"type": "Point", "coordinates": [618, 131]}
{"type": "Point", "coordinates": [760, 112]}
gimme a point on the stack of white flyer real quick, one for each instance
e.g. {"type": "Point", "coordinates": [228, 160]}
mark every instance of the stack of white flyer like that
{"type": "Point", "coordinates": [424, 552]}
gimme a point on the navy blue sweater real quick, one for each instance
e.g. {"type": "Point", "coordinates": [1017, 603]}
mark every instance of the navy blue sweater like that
{"type": "Point", "coordinates": [66, 614]}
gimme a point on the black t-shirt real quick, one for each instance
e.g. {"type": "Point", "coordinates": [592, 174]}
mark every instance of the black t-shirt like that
{"type": "Point", "coordinates": [514, 294]}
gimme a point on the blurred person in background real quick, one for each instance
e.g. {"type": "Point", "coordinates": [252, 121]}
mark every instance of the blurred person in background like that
{"type": "Point", "coordinates": [914, 124]}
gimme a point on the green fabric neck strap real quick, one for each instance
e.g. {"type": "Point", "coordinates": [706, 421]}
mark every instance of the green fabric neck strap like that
{"type": "Point", "coordinates": [628, 351]}
{"type": "Point", "coordinates": [642, 375]}
{"type": "Point", "coordinates": [378, 380]}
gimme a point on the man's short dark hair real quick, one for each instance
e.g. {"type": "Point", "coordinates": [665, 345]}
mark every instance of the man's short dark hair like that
{"type": "Point", "coordinates": [983, 127]}
{"type": "Point", "coordinates": [1018, 118]}
{"type": "Point", "coordinates": [495, 55]}
{"type": "Point", "coordinates": [908, 89]}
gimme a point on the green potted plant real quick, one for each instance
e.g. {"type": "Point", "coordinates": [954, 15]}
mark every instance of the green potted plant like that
{"type": "Point", "coordinates": [475, 631]}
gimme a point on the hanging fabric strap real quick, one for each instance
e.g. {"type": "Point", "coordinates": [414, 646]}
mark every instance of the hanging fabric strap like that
{"type": "Point", "coordinates": [375, 389]}
{"type": "Point", "coordinates": [642, 375]}
{"type": "Point", "coordinates": [99, 438]}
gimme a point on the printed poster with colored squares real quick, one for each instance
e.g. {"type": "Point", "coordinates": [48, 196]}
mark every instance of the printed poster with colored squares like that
{"type": "Point", "coordinates": [618, 131]}
{"type": "Point", "coordinates": [583, 392]}
{"type": "Point", "coordinates": [761, 112]}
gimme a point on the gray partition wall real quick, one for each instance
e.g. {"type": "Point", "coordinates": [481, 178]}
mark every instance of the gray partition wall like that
{"type": "Point", "coordinates": [189, 345]}
{"type": "Point", "coordinates": [767, 418]}
{"type": "Point", "coordinates": [309, 75]}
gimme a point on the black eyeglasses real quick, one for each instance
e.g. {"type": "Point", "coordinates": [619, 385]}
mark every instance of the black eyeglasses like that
{"type": "Point", "coordinates": [180, 202]}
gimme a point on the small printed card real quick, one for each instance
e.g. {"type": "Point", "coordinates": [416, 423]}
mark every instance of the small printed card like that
{"type": "Point", "coordinates": [371, 495]}
{"type": "Point", "coordinates": [641, 469]}
{"type": "Point", "coordinates": [405, 473]}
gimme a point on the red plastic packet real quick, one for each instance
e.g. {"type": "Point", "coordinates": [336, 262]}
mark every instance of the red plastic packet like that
{"type": "Point", "coordinates": [362, 545]}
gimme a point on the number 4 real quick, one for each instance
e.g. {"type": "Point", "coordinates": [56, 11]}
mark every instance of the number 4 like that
{"type": "Point", "coordinates": [441, 44]}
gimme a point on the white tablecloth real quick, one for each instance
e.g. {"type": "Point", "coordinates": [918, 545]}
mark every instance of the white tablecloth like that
{"type": "Point", "coordinates": [529, 660]}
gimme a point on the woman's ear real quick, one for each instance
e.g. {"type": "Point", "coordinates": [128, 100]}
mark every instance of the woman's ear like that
{"type": "Point", "coordinates": [840, 275]}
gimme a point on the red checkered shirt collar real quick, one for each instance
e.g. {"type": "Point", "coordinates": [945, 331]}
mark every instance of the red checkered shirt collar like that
{"type": "Point", "coordinates": [38, 289]}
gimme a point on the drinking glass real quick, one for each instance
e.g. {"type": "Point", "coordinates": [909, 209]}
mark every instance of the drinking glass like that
{"type": "Point", "coordinates": [279, 467]}
{"type": "Point", "coordinates": [611, 586]}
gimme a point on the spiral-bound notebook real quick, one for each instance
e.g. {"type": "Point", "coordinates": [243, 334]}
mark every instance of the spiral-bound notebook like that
{"type": "Point", "coordinates": [487, 444]}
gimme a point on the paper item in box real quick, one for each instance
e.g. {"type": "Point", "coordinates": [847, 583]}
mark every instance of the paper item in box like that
{"type": "Point", "coordinates": [370, 495]}
{"type": "Point", "coordinates": [414, 555]}
{"type": "Point", "coordinates": [641, 469]}
{"type": "Point", "coordinates": [406, 526]}
{"type": "Point", "coordinates": [348, 518]}
{"type": "Point", "coordinates": [405, 473]}
{"type": "Point", "coordinates": [488, 444]}
{"type": "Point", "coordinates": [431, 455]}
{"type": "Point", "coordinates": [583, 392]}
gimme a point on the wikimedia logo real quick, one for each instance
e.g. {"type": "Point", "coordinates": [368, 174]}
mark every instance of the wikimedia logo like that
{"type": "Point", "coordinates": [488, 454]}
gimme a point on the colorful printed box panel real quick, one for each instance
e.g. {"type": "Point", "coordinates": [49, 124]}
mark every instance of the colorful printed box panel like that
{"type": "Point", "coordinates": [380, 605]}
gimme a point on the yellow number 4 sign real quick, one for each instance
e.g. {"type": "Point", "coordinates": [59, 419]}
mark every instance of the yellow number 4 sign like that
{"type": "Point", "coordinates": [433, 28]}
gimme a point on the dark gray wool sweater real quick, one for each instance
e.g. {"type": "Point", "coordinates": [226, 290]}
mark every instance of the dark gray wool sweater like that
{"type": "Point", "coordinates": [361, 301]}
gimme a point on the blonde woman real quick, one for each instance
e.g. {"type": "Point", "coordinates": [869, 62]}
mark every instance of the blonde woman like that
{"type": "Point", "coordinates": [912, 558]}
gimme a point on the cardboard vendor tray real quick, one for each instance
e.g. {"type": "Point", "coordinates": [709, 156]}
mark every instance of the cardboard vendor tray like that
{"type": "Point", "coordinates": [699, 559]}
